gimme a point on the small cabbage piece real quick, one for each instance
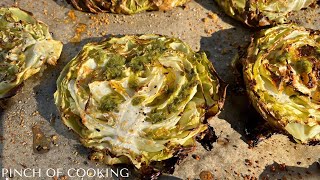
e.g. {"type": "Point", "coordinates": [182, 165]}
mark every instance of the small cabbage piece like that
{"type": "Point", "coordinates": [282, 72]}
{"type": "Point", "coordinates": [138, 99]}
{"type": "Point", "coordinates": [256, 13]}
{"type": "Point", "coordinates": [25, 47]}
{"type": "Point", "coordinates": [126, 6]}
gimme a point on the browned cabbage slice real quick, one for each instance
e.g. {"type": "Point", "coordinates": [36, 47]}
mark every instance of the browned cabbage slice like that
{"type": "Point", "coordinates": [282, 72]}
{"type": "Point", "coordinates": [139, 99]}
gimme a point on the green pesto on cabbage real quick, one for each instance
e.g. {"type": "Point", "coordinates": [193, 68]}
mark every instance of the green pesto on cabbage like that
{"type": "Point", "coordinates": [282, 72]}
{"type": "Point", "coordinates": [255, 13]}
{"type": "Point", "coordinates": [26, 46]}
{"type": "Point", "coordinates": [138, 99]}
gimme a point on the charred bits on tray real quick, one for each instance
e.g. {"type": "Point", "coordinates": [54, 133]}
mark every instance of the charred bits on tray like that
{"type": "Point", "coordinates": [54, 140]}
{"type": "Point", "coordinates": [80, 28]}
{"type": "Point", "coordinates": [223, 141]}
{"type": "Point", "coordinates": [41, 144]}
{"type": "Point", "coordinates": [72, 15]}
{"type": "Point", "coordinates": [248, 162]}
{"type": "Point", "coordinates": [196, 157]}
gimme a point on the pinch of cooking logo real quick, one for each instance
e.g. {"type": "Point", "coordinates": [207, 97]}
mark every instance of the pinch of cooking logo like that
{"type": "Point", "coordinates": [71, 172]}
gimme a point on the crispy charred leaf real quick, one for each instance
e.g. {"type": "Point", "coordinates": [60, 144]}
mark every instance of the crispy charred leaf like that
{"type": "Point", "coordinates": [281, 73]}
{"type": "Point", "coordinates": [261, 13]}
{"type": "Point", "coordinates": [41, 143]}
{"type": "Point", "coordinates": [314, 143]}
{"type": "Point", "coordinates": [140, 100]}
{"type": "Point", "coordinates": [126, 6]}
{"type": "Point", "coordinates": [26, 46]}
{"type": "Point", "coordinates": [207, 138]}
{"type": "Point", "coordinates": [256, 129]}
{"type": "Point", "coordinates": [155, 169]}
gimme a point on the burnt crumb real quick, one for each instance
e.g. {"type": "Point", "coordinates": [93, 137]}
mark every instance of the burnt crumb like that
{"type": "Point", "coordinates": [196, 157]}
{"type": "Point", "coordinates": [54, 139]}
{"type": "Point", "coordinates": [207, 138]}
{"type": "Point", "coordinates": [223, 141]}
{"type": "Point", "coordinates": [248, 177]}
{"type": "Point", "coordinates": [206, 175]}
{"type": "Point", "coordinates": [248, 162]}
{"type": "Point", "coordinates": [23, 165]}
{"type": "Point", "coordinates": [41, 144]}
{"type": "Point", "coordinates": [64, 177]}
{"type": "Point", "coordinates": [257, 129]}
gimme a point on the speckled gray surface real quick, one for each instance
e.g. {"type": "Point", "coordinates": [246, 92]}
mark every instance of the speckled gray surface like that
{"type": "Point", "coordinates": [220, 36]}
